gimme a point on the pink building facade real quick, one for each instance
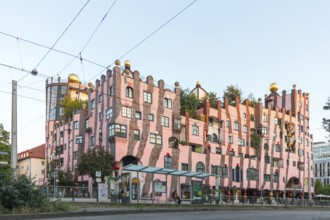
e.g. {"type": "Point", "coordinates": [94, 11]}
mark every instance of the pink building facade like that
{"type": "Point", "coordinates": [256, 150]}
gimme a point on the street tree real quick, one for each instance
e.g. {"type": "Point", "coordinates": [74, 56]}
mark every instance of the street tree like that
{"type": "Point", "coordinates": [326, 121]}
{"type": "Point", "coordinates": [4, 148]}
{"type": "Point", "coordinates": [96, 159]}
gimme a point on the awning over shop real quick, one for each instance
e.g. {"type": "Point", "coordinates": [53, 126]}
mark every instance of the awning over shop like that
{"type": "Point", "coordinates": [165, 171]}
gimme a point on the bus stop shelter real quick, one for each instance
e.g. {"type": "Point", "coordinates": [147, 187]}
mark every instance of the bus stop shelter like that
{"type": "Point", "coordinates": [164, 171]}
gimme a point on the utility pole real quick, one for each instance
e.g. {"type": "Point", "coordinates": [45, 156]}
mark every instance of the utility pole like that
{"type": "Point", "coordinates": [13, 161]}
{"type": "Point", "coordinates": [309, 178]}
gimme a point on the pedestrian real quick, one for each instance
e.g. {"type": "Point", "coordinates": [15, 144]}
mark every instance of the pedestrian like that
{"type": "Point", "coordinates": [176, 197]}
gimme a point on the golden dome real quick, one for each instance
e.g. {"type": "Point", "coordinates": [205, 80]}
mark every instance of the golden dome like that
{"type": "Point", "coordinates": [73, 78]}
{"type": "Point", "coordinates": [273, 87]}
{"type": "Point", "coordinates": [198, 84]}
{"type": "Point", "coordinates": [127, 63]}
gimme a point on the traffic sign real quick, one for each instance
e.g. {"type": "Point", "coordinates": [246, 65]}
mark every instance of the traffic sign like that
{"type": "Point", "coordinates": [98, 173]}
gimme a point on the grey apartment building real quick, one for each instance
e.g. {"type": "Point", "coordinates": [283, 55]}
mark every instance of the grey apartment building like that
{"type": "Point", "coordinates": [321, 153]}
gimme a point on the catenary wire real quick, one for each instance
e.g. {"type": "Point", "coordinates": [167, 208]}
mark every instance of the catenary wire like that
{"type": "Point", "coordinates": [56, 50]}
{"type": "Point", "coordinates": [146, 38]}
{"type": "Point", "coordinates": [62, 34]}
{"type": "Point", "coordinates": [87, 42]}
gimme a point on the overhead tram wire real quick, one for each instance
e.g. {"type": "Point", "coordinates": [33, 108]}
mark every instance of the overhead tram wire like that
{"type": "Point", "coordinates": [146, 38]}
{"type": "Point", "coordinates": [53, 49]}
{"type": "Point", "coordinates": [62, 34]}
{"type": "Point", "coordinates": [89, 39]}
{"type": "Point", "coordinates": [23, 70]}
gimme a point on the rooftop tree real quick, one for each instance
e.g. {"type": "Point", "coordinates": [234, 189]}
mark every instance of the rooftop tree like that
{"type": "Point", "coordinates": [231, 92]}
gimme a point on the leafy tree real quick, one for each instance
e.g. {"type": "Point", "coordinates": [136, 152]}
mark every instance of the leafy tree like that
{"type": "Point", "coordinates": [326, 122]}
{"type": "Point", "coordinates": [231, 92]}
{"type": "Point", "coordinates": [189, 103]}
{"type": "Point", "coordinates": [70, 105]}
{"type": "Point", "coordinates": [96, 159]}
{"type": "Point", "coordinates": [252, 99]}
{"type": "Point", "coordinates": [318, 187]}
{"type": "Point", "coordinates": [4, 148]}
{"type": "Point", "coordinates": [65, 178]}
{"type": "Point", "coordinates": [255, 140]}
{"type": "Point", "coordinates": [213, 99]}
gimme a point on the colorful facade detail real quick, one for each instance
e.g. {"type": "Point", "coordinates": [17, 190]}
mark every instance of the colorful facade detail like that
{"type": "Point", "coordinates": [255, 150]}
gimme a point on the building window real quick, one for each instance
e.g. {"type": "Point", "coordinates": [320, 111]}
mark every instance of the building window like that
{"type": "Point", "coordinates": [200, 167]}
{"type": "Point", "coordinates": [241, 142]}
{"type": "Point", "coordinates": [111, 92]}
{"type": "Point", "coordinates": [117, 130]}
{"type": "Point", "coordinates": [126, 112]}
{"type": "Point", "coordinates": [75, 155]}
{"type": "Point", "coordinates": [177, 123]}
{"type": "Point", "coordinates": [92, 141]}
{"type": "Point", "coordinates": [215, 170]}
{"type": "Point", "coordinates": [237, 174]}
{"type": "Point", "coordinates": [167, 103]}
{"type": "Point", "coordinates": [100, 98]}
{"type": "Point", "coordinates": [267, 177]}
{"type": "Point", "coordinates": [147, 97]}
{"type": "Point", "coordinates": [195, 130]}
{"type": "Point", "coordinates": [244, 115]}
{"type": "Point", "coordinates": [79, 139]}
{"type": "Point", "coordinates": [251, 117]}
{"type": "Point", "coordinates": [267, 159]}
{"type": "Point", "coordinates": [100, 116]}
{"type": "Point", "coordinates": [129, 92]}
{"type": "Point", "coordinates": [155, 139]}
{"type": "Point", "coordinates": [109, 113]}
{"type": "Point", "coordinates": [227, 123]}
{"type": "Point", "coordinates": [87, 123]}
{"type": "Point", "coordinates": [168, 162]}
{"type": "Point", "coordinates": [75, 125]}
{"type": "Point", "coordinates": [236, 126]}
{"type": "Point", "coordinates": [218, 150]}
{"type": "Point", "coordinates": [245, 129]}
{"type": "Point", "coordinates": [173, 142]}
{"type": "Point", "coordinates": [231, 139]}
{"type": "Point", "coordinates": [213, 138]}
{"type": "Point", "coordinates": [276, 121]}
{"type": "Point", "coordinates": [277, 148]}
{"type": "Point", "coordinates": [136, 135]}
{"type": "Point", "coordinates": [252, 174]}
{"type": "Point", "coordinates": [264, 118]}
{"type": "Point", "coordinates": [264, 130]}
{"type": "Point", "coordinates": [165, 121]}
{"type": "Point", "coordinates": [184, 166]}
{"type": "Point", "coordinates": [151, 117]}
{"type": "Point", "coordinates": [93, 104]}
{"type": "Point", "coordinates": [138, 115]}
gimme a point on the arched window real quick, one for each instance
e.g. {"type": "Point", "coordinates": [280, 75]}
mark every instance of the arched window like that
{"type": "Point", "coordinates": [129, 92]}
{"type": "Point", "coordinates": [173, 142]}
{"type": "Point", "coordinates": [252, 174]}
{"type": "Point", "coordinates": [266, 146]}
{"type": "Point", "coordinates": [252, 118]}
{"type": "Point", "coordinates": [200, 167]}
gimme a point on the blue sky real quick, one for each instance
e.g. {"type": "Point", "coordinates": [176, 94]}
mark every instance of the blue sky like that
{"type": "Point", "coordinates": [245, 43]}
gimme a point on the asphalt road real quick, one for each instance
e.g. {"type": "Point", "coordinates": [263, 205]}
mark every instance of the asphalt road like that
{"type": "Point", "coordinates": [213, 215]}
